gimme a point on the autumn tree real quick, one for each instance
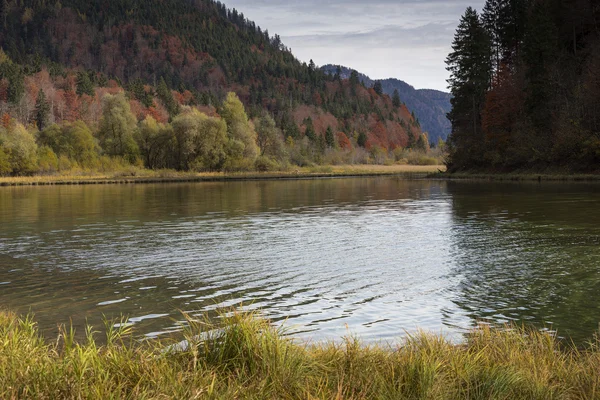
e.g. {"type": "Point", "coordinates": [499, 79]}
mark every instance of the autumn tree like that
{"type": "Point", "coordinates": [156, 142]}
{"type": "Point", "coordinates": [270, 138]}
{"type": "Point", "coordinates": [117, 128]}
{"type": "Point", "coordinates": [21, 148]}
{"type": "Point", "coordinates": [201, 141]}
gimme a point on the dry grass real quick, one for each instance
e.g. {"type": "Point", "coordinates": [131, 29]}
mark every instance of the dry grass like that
{"type": "Point", "coordinates": [243, 357]}
{"type": "Point", "coordinates": [139, 175]}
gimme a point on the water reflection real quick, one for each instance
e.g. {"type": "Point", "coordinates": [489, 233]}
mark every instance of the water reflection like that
{"type": "Point", "coordinates": [377, 256]}
{"type": "Point", "coordinates": [529, 252]}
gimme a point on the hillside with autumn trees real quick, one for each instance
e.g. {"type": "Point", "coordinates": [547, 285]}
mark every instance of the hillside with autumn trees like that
{"type": "Point", "coordinates": [430, 107]}
{"type": "Point", "coordinates": [525, 79]}
{"type": "Point", "coordinates": [178, 84]}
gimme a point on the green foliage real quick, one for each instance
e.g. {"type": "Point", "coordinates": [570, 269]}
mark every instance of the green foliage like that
{"type": "Point", "coordinates": [42, 110]}
{"type": "Point", "coordinates": [117, 128]}
{"type": "Point", "coordinates": [241, 134]}
{"type": "Point", "coordinates": [362, 139]}
{"type": "Point", "coordinates": [139, 93]}
{"type": "Point", "coordinates": [310, 129]}
{"type": "Point", "coordinates": [84, 84]}
{"type": "Point", "coordinates": [47, 160]}
{"type": "Point", "coordinates": [396, 99]}
{"type": "Point", "coordinates": [269, 138]}
{"type": "Point", "coordinates": [329, 137]}
{"type": "Point", "coordinates": [20, 146]}
{"type": "Point", "coordinates": [5, 167]}
{"type": "Point", "coordinates": [470, 74]}
{"type": "Point", "coordinates": [165, 95]}
{"type": "Point", "coordinates": [245, 354]}
{"type": "Point", "coordinates": [155, 142]}
{"type": "Point", "coordinates": [201, 142]}
{"type": "Point", "coordinates": [378, 88]}
{"type": "Point", "coordinates": [536, 109]}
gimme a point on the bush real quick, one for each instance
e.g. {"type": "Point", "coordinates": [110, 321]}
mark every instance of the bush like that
{"type": "Point", "coordinates": [47, 160]}
{"type": "Point", "coordinates": [266, 164]}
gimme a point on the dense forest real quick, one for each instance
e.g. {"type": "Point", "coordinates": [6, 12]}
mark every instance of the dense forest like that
{"type": "Point", "coordinates": [429, 106]}
{"type": "Point", "coordinates": [525, 79]}
{"type": "Point", "coordinates": [117, 72]}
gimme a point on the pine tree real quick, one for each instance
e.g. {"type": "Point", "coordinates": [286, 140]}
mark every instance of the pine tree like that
{"type": "Point", "coordinates": [84, 84]}
{"type": "Point", "coordinates": [362, 139]}
{"type": "Point", "coordinates": [396, 99]}
{"type": "Point", "coordinates": [329, 138]}
{"type": "Point", "coordinates": [470, 71]}
{"type": "Point", "coordinates": [378, 88]}
{"type": "Point", "coordinates": [42, 110]}
{"type": "Point", "coordinates": [310, 129]}
{"type": "Point", "coordinates": [165, 95]}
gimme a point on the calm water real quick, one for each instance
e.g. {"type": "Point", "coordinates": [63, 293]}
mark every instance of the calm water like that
{"type": "Point", "coordinates": [375, 257]}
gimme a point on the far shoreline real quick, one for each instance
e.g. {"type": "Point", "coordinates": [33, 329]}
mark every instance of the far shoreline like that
{"type": "Point", "coordinates": [150, 177]}
{"type": "Point", "coordinates": [516, 177]}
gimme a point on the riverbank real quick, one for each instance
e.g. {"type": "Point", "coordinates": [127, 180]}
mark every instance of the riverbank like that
{"type": "Point", "coordinates": [248, 358]}
{"type": "Point", "coordinates": [148, 176]}
{"type": "Point", "coordinates": [515, 177]}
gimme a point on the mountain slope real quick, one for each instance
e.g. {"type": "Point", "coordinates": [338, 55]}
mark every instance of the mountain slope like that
{"type": "Point", "coordinates": [201, 50]}
{"type": "Point", "coordinates": [430, 106]}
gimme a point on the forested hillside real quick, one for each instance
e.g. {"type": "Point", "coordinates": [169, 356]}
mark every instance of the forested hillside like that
{"type": "Point", "coordinates": [525, 76]}
{"type": "Point", "coordinates": [429, 106]}
{"type": "Point", "coordinates": [166, 60]}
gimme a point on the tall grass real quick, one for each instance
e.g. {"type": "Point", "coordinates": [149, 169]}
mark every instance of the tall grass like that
{"type": "Point", "coordinates": [244, 357]}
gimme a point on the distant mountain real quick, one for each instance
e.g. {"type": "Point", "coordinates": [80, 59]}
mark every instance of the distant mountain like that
{"type": "Point", "coordinates": [430, 106]}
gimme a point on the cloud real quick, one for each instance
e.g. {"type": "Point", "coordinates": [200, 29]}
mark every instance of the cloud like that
{"type": "Point", "coordinates": [405, 39]}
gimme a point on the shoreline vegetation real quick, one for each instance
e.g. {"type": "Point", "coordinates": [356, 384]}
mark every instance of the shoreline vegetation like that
{"type": "Point", "coordinates": [246, 357]}
{"type": "Point", "coordinates": [515, 176]}
{"type": "Point", "coordinates": [139, 175]}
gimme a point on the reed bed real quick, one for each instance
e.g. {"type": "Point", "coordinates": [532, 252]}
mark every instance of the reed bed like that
{"type": "Point", "coordinates": [245, 357]}
{"type": "Point", "coordinates": [138, 175]}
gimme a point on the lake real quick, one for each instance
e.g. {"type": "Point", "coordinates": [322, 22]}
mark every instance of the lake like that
{"type": "Point", "coordinates": [374, 257]}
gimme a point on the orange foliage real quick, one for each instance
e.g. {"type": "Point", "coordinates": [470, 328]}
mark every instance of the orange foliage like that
{"type": "Point", "coordinates": [502, 103]}
{"type": "Point", "coordinates": [6, 120]}
{"type": "Point", "coordinates": [343, 141]}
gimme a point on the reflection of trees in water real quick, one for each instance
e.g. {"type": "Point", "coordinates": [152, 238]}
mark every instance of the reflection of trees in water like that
{"type": "Point", "coordinates": [76, 246]}
{"type": "Point", "coordinates": [528, 253]}
{"type": "Point", "coordinates": [49, 207]}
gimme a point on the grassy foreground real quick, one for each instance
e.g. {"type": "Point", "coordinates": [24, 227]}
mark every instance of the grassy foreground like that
{"type": "Point", "coordinates": [140, 175]}
{"type": "Point", "coordinates": [249, 359]}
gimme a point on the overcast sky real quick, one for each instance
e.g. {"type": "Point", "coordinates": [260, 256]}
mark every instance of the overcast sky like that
{"type": "Point", "coordinates": [404, 39]}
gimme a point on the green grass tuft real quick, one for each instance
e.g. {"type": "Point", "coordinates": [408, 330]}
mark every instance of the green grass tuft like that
{"type": "Point", "coordinates": [244, 357]}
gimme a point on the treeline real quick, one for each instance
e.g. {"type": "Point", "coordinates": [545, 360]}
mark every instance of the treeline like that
{"type": "Point", "coordinates": [525, 76]}
{"type": "Point", "coordinates": [225, 140]}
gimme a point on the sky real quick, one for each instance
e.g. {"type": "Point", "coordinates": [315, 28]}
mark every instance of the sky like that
{"type": "Point", "coordinates": [403, 39]}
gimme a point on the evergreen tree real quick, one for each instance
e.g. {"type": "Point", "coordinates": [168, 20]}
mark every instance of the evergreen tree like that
{"type": "Point", "coordinates": [362, 139]}
{"type": "Point", "coordinates": [42, 110]}
{"type": "Point", "coordinates": [164, 94]}
{"type": "Point", "coordinates": [84, 84]}
{"type": "Point", "coordinates": [470, 71]}
{"type": "Point", "coordinates": [329, 138]}
{"type": "Point", "coordinates": [310, 129]}
{"type": "Point", "coordinates": [378, 88]}
{"type": "Point", "coordinates": [354, 80]}
{"type": "Point", "coordinates": [396, 99]}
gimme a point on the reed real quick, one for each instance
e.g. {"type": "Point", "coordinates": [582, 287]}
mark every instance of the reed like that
{"type": "Point", "coordinates": [242, 356]}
